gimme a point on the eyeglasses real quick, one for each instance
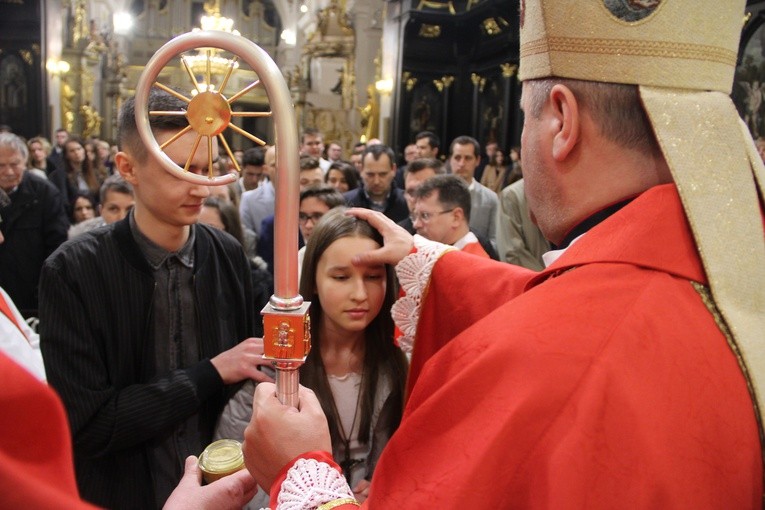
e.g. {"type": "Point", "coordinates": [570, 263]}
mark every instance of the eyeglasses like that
{"type": "Point", "coordinates": [425, 217]}
{"type": "Point", "coordinates": [315, 217]}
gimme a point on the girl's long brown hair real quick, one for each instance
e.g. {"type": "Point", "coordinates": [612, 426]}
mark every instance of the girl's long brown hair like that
{"type": "Point", "coordinates": [381, 356]}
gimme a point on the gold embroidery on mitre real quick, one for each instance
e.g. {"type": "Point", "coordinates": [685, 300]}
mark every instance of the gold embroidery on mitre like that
{"type": "Point", "coordinates": [663, 49]}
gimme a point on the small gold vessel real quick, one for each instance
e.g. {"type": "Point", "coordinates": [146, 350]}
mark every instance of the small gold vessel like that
{"type": "Point", "coordinates": [221, 458]}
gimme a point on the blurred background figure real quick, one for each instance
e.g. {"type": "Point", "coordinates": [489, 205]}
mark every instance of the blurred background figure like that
{"type": "Point", "coordinates": [495, 173]}
{"type": "Point", "coordinates": [342, 176]}
{"type": "Point", "coordinates": [39, 150]}
{"type": "Point", "coordinates": [334, 152]}
{"type": "Point", "coordinates": [33, 225]}
{"type": "Point", "coordinates": [224, 216]}
{"type": "Point", "coordinates": [116, 200]}
{"type": "Point", "coordinates": [83, 208]}
{"type": "Point", "coordinates": [315, 202]}
{"type": "Point", "coordinates": [253, 168]}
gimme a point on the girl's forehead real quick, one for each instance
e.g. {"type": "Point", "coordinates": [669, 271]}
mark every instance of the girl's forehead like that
{"type": "Point", "coordinates": [344, 248]}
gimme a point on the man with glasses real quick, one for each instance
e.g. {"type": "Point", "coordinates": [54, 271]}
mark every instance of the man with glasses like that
{"type": "Point", "coordinates": [315, 202]}
{"type": "Point", "coordinates": [442, 213]}
{"type": "Point", "coordinates": [33, 224]}
{"type": "Point", "coordinates": [310, 175]}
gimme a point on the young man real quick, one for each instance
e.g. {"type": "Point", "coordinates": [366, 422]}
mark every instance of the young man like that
{"type": "Point", "coordinates": [356, 154]}
{"type": "Point", "coordinates": [464, 156]}
{"type": "Point", "coordinates": [619, 375]}
{"type": "Point", "coordinates": [334, 152]}
{"type": "Point", "coordinates": [257, 204]}
{"type": "Point", "coordinates": [426, 145]}
{"type": "Point", "coordinates": [253, 171]}
{"type": "Point", "coordinates": [116, 201]}
{"type": "Point", "coordinates": [312, 144]}
{"type": "Point", "coordinates": [144, 323]}
{"type": "Point", "coordinates": [310, 175]}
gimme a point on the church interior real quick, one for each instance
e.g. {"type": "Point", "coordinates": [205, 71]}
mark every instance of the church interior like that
{"type": "Point", "coordinates": [356, 69]}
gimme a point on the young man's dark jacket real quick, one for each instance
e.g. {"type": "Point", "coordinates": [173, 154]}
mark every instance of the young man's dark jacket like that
{"type": "Point", "coordinates": [96, 336]}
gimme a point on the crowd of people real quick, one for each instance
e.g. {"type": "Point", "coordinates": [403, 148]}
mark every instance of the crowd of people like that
{"type": "Point", "coordinates": [487, 331]}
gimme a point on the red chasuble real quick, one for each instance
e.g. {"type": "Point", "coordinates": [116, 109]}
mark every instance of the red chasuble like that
{"type": "Point", "coordinates": [36, 466]}
{"type": "Point", "coordinates": [605, 384]}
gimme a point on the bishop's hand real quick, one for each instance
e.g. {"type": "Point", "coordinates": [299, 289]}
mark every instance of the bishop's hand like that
{"type": "Point", "coordinates": [278, 433]}
{"type": "Point", "coordinates": [397, 242]}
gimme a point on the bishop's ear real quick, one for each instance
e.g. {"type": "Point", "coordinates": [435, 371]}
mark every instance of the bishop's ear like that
{"type": "Point", "coordinates": [567, 117]}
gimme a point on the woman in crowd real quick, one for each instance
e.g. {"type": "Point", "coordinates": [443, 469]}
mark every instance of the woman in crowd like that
{"type": "Point", "coordinates": [96, 163]}
{"type": "Point", "coordinates": [354, 367]}
{"type": "Point", "coordinates": [495, 173]}
{"type": "Point", "coordinates": [80, 175]}
{"type": "Point", "coordinates": [342, 176]}
{"type": "Point", "coordinates": [39, 150]}
{"type": "Point", "coordinates": [104, 152]}
{"type": "Point", "coordinates": [83, 208]}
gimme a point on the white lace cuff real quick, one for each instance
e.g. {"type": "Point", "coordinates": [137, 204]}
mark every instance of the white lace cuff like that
{"type": "Point", "coordinates": [311, 483]}
{"type": "Point", "coordinates": [414, 275]}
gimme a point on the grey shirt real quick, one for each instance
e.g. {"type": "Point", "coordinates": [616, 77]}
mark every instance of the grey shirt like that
{"type": "Point", "coordinates": [175, 344]}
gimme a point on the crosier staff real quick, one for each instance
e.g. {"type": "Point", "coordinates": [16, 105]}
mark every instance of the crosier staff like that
{"type": "Point", "coordinates": [286, 325]}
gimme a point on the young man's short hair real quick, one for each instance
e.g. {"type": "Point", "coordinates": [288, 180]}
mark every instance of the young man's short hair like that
{"type": "Point", "coordinates": [128, 138]}
{"type": "Point", "coordinates": [114, 183]}
{"type": "Point", "coordinates": [327, 195]}
{"type": "Point", "coordinates": [433, 140]}
{"type": "Point", "coordinates": [466, 140]}
{"type": "Point", "coordinates": [420, 164]}
{"type": "Point", "coordinates": [378, 150]}
{"type": "Point", "coordinates": [308, 163]}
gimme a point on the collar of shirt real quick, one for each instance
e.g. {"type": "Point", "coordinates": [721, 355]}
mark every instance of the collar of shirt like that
{"type": "Point", "coordinates": [551, 256]}
{"type": "Point", "coordinates": [582, 228]}
{"type": "Point", "coordinates": [156, 255]}
{"type": "Point", "coordinates": [465, 240]}
{"type": "Point", "coordinates": [471, 186]}
{"type": "Point", "coordinates": [380, 206]}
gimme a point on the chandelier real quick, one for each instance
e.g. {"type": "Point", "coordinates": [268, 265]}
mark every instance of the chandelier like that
{"type": "Point", "coordinates": [198, 63]}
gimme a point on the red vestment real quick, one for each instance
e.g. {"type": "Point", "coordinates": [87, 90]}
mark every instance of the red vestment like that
{"type": "Point", "coordinates": [605, 384]}
{"type": "Point", "coordinates": [36, 466]}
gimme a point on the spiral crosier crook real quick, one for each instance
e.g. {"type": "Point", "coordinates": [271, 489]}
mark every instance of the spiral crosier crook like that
{"type": "Point", "coordinates": [286, 323]}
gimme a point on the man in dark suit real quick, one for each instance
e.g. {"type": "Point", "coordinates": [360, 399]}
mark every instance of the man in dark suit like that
{"type": "Point", "coordinates": [377, 191]}
{"type": "Point", "coordinates": [33, 224]}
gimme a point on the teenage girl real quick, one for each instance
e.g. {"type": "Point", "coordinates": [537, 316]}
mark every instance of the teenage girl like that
{"type": "Point", "coordinates": [355, 369]}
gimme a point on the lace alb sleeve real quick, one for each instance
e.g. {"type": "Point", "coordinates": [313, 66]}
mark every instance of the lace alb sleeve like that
{"type": "Point", "coordinates": [311, 483]}
{"type": "Point", "coordinates": [414, 275]}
